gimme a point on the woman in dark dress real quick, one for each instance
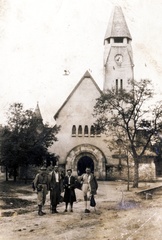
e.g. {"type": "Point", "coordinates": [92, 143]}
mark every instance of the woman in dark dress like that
{"type": "Point", "coordinates": [69, 186]}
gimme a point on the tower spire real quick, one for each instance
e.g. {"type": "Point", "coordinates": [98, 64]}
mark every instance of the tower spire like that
{"type": "Point", "coordinates": [37, 113]}
{"type": "Point", "coordinates": [117, 26]}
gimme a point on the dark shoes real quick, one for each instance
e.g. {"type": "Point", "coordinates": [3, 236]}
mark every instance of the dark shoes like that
{"type": "Point", "coordinates": [54, 211]}
{"type": "Point", "coordinates": [70, 210]}
{"type": "Point", "coordinates": [65, 210]}
{"type": "Point", "coordinates": [40, 213]}
{"type": "Point", "coordinates": [87, 211]}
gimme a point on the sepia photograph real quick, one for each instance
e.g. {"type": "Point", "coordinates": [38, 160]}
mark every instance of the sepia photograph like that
{"type": "Point", "coordinates": [80, 120]}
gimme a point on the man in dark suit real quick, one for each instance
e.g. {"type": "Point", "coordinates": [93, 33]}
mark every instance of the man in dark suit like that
{"type": "Point", "coordinates": [69, 186]}
{"type": "Point", "coordinates": [55, 188]}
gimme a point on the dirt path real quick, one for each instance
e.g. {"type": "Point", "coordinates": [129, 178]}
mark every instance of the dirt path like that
{"type": "Point", "coordinates": [119, 215]}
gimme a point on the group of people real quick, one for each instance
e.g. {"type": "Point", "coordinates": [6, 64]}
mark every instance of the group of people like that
{"type": "Point", "coordinates": [56, 183]}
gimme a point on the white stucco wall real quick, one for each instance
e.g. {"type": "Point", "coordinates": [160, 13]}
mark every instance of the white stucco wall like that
{"type": "Point", "coordinates": [113, 71]}
{"type": "Point", "coordinates": [78, 111]}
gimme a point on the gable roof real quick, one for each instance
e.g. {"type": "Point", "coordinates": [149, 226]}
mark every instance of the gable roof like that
{"type": "Point", "coordinates": [86, 75]}
{"type": "Point", "coordinates": [117, 26]}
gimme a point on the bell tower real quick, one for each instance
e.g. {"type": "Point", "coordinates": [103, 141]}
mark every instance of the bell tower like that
{"type": "Point", "coordinates": [118, 56]}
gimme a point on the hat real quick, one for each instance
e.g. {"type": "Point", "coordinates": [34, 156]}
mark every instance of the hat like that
{"type": "Point", "coordinates": [43, 168]}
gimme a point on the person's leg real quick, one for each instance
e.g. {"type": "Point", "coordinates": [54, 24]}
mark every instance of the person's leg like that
{"type": "Point", "coordinates": [53, 201]}
{"type": "Point", "coordinates": [44, 200]}
{"type": "Point", "coordinates": [50, 200]}
{"type": "Point", "coordinates": [84, 189]}
{"type": "Point", "coordinates": [54, 209]}
{"type": "Point", "coordinates": [40, 213]}
{"type": "Point", "coordinates": [66, 206]}
{"type": "Point", "coordinates": [40, 202]}
{"type": "Point", "coordinates": [57, 197]}
{"type": "Point", "coordinates": [71, 205]}
{"type": "Point", "coordinates": [86, 202]}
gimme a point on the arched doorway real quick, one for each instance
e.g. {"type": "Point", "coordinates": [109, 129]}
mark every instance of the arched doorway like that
{"type": "Point", "coordinates": [83, 163]}
{"type": "Point", "coordinates": [86, 155]}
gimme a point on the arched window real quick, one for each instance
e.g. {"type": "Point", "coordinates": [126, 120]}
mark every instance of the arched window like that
{"type": "Point", "coordinates": [92, 131]}
{"type": "Point", "coordinates": [80, 131]}
{"type": "Point", "coordinates": [121, 84]}
{"type": "Point", "coordinates": [73, 131]}
{"type": "Point", "coordinates": [86, 131]}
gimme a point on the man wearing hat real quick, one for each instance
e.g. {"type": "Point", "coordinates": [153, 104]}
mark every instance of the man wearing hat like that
{"type": "Point", "coordinates": [41, 183]}
{"type": "Point", "coordinates": [89, 187]}
{"type": "Point", "coordinates": [69, 186]}
{"type": "Point", "coordinates": [55, 188]}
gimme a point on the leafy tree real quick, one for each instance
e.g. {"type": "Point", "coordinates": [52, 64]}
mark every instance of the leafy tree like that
{"type": "Point", "coordinates": [120, 115]}
{"type": "Point", "coordinates": [25, 141]}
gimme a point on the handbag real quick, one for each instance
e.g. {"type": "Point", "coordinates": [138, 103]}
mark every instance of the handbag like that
{"type": "Point", "coordinates": [92, 201]}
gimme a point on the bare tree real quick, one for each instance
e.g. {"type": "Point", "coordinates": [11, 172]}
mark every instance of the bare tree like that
{"type": "Point", "coordinates": [123, 115]}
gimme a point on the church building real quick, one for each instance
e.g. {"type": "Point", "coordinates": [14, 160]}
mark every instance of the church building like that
{"type": "Point", "coordinates": [78, 146]}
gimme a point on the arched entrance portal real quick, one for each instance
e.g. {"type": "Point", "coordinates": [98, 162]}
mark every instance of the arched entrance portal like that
{"type": "Point", "coordinates": [86, 155]}
{"type": "Point", "coordinates": [83, 163]}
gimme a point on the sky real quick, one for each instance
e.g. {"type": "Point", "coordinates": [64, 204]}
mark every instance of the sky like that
{"type": "Point", "coordinates": [39, 39]}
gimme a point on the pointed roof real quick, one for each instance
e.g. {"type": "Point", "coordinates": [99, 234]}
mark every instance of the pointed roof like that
{"type": "Point", "coordinates": [37, 113]}
{"type": "Point", "coordinates": [86, 75]}
{"type": "Point", "coordinates": [117, 26]}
